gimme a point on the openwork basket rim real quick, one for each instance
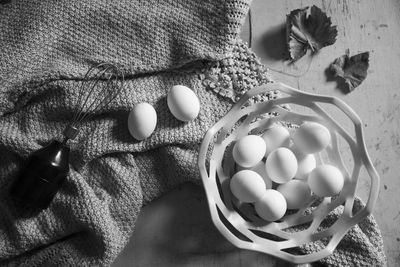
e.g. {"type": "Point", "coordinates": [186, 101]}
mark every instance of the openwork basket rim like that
{"type": "Point", "coordinates": [237, 223]}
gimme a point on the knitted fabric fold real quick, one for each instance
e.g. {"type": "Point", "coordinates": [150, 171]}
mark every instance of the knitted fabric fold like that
{"type": "Point", "coordinates": [46, 48]}
{"type": "Point", "coordinates": [45, 40]}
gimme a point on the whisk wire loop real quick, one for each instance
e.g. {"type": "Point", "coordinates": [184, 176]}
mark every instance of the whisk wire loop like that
{"type": "Point", "coordinates": [86, 95]}
{"type": "Point", "coordinates": [100, 86]}
{"type": "Point", "coordinates": [81, 95]}
{"type": "Point", "coordinates": [96, 105]}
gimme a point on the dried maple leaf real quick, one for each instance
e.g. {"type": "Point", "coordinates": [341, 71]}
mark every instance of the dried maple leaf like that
{"type": "Point", "coordinates": [352, 69]}
{"type": "Point", "coordinates": [308, 28]}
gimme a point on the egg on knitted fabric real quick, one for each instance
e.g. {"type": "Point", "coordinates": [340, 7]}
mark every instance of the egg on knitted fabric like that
{"type": "Point", "coordinates": [142, 121]}
{"type": "Point", "coordinates": [183, 103]}
{"type": "Point", "coordinates": [249, 150]}
{"type": "Point", "coordinates": [247, 186]}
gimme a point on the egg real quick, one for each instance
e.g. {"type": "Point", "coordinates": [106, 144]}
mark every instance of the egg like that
{"type": "Point", "coordinates": [326, 180]}
{"type": "Point", "coordinates": [249, 150]}
{"type": "Point", "coordinates": [296, 192]}
{"type": "Point", "coordinates": [142, 121]}
{"type": "Point", "coordinates": [247, 186]}
{"type": "Point", "coordinates": [260, 169]}
{"type": "Point", "coordinates": [272, 206]}
{"type": "Point", "coordinates": [311, 137]}
{"type": "Point", "coordinates": [281, 165]}
{"type": "Point", "coordinates": [274, 137]}
{"type": "Point", "coordinates": [305, 163]}
{"type": "Point", "coordinates": [183, 103]}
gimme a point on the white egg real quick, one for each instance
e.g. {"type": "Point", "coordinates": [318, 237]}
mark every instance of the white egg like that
{"type": "Point", "coordinates": [305, 166]}
{"type": "Point", "coordinates": [274, 137]}
{"type": "Point", "coordinates": [281, 165]}
{"type": "Point", "coordinates": [326, 180]}
{"type": "Point", "coordinates": [142, 121]}
{"type": "Point", "coordinates": [260, 169]}
{"type": "Point", "coordinates": [249, 150]}
{"type": "Point", "coordinates": [183, 103]}
{"type": "Point", "coordinates": [247, 186]}
{"type": "Point", "coordinates": [311, 137]}
{"type": "Point", "coordinates": [296, 192]}
{"type": "Point", "coordinates": [272, 206]}
{"type": "Point", "coordinates": [305, 163]}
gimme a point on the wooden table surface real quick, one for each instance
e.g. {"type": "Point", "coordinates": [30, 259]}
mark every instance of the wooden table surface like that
{"type": "Point", "coordinates": [176, 230]}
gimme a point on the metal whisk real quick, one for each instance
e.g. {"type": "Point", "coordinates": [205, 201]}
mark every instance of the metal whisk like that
{"type": "Point", "coordinates": [48, 167]}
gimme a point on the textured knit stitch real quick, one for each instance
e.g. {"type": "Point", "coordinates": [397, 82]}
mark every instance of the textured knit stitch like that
{"type": "Point", "coordinates": [235, 75]}
{"type": "Point", "coordinates": [46, 48]}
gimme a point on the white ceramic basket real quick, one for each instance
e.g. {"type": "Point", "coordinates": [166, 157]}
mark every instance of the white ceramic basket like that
{"type": "Point", "coordinates": [238, 222]}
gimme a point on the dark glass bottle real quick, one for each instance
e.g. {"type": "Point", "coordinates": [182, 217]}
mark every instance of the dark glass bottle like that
{"type": "Point", "coordinates": [43, 176]}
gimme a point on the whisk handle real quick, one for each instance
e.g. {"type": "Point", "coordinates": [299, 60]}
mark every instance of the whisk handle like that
{"type": "Point", "coordinates": [43, 176]}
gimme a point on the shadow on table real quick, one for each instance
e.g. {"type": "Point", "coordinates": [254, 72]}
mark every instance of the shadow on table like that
{"type": "Point", "coordinates": [272, 45]}
{"type": "Point", "coordinates": [176, 230]}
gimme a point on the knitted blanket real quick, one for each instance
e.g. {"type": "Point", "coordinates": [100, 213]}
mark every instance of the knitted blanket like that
{"type": "Point", "coordinates": [45, 49]}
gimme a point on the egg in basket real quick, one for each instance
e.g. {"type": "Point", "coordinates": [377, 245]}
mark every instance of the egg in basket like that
{"type": "Point", "coordinates": [273, 176]}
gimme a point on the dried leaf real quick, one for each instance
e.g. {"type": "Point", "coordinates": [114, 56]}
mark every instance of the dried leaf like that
{"type": "Point", "coordinates": [308, 28]}
{"type": "Point", "coordinates": [352, 69]}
